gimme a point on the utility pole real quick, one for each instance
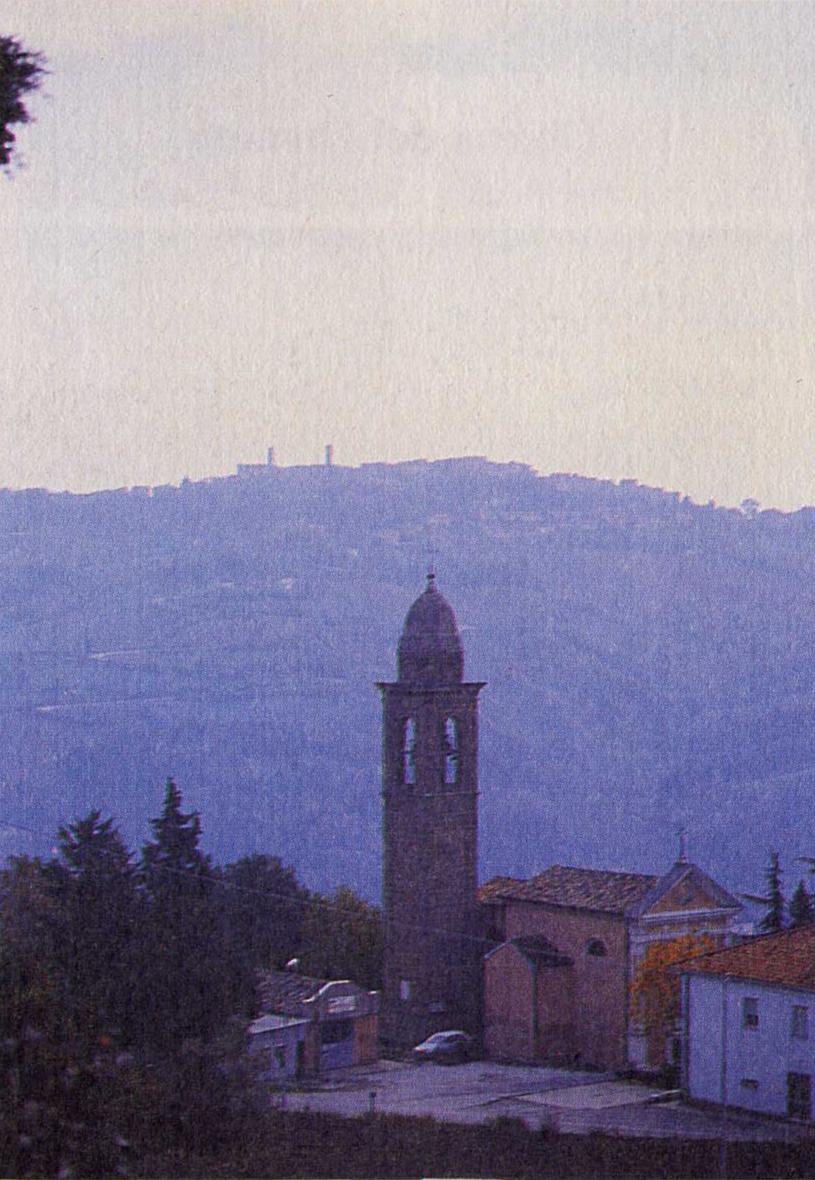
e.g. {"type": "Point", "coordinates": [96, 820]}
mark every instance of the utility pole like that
{"type": "Point", "coordinates": [723, 1085]}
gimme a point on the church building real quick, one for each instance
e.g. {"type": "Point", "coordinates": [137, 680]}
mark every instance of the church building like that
{"type": "Point", "coordinates": [538, 969]}
{"type": "Point", "coordinates": [558, 984]}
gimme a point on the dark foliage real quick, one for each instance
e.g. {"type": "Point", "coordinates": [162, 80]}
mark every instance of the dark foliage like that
{"type": "Point", "coordinates": [20, 73]}
{"type": "Point", "coordinates": [263, 911]}
{"type": "Point", "coordinates": [93, 887]}
{"type": "Point", "coordinates": [284, 1144]}
{"type": "Point", "coordinates": [772, 899]}
{"type": "Point", "coordinates": [343, 939]}
{"type": "Point", "coordinates": [802, 910]}
{"type": "Point", "coordinates": [126, 991]}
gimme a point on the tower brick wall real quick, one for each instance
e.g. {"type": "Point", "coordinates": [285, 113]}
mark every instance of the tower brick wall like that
{"type": "Point", "coordinates": [430, 832]}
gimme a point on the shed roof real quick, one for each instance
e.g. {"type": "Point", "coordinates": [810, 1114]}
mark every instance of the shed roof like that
{"type": "Point", "coordinates": [272, 1023]}
{"type": "Point", "coordinates": [540, 950]}
{"type": "Point", "coordinates": [787, 957]}
{"type": "Point", "coordinates": [285, 991]}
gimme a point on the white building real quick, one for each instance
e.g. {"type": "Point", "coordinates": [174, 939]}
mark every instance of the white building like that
{"type": "Point", "coordinates": [748, 1023]}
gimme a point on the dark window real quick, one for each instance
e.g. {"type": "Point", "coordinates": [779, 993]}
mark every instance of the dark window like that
{"type": "Point", "coordinates": [749, 1012]}
{"type": "Point", "coordinates": [749, 1083]}
{"type": "Point", "coordinates": [596, 948]}
{"type": "Point", "coordinates": [334, 1031]}
{"type": "Point", "coordinates": [799, 1095]}
{"type": "Point", "coordinates": [800, 1022]}
{"type": "Point", "coordinates": [409, 751]}
{"type": "Point", "coordinates": [450, 751]}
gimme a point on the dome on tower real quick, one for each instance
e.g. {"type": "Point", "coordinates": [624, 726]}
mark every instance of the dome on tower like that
{"type": "Point", "coordinates": [430, 650]}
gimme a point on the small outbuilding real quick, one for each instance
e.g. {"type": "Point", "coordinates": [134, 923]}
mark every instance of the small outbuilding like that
{"type": "Point", "coordinates": [529, 999]}
{"type": "Point", "coordinates": [308, 1025]}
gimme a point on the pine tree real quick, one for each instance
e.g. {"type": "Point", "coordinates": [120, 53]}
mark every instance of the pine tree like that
{"type": "Point", "coordinates": [802, 911]}
{"type": "Point", "coordinates": [775, 917]}
{"type": "Point", "coordinates": [187, 984]}
{"type": "Point", "coordinates": [172, 863]}
{"type": "Point", "coordinates": [20, 73]}
{"type": "Point", "coordinates": [94, 882]}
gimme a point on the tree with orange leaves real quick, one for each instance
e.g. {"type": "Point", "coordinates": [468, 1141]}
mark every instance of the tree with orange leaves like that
{"type": "Point", "coordinates": [655, 990]}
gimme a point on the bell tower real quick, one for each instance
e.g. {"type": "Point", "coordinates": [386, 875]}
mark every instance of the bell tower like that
{"type": "Point", "coordinates": [430, 829]}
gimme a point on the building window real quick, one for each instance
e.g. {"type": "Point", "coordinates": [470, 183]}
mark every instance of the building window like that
{"type": "Point", "coordinates": [749, 1012]}
{"type": "Point", "coordinates": [404, 989]}
{"type": "Point", "coordinates": [450, 751]}
{"type": "Point", "coordinates": [799, 1095]}
{"type": "Point", "coordinates": [596, 948]}
{"type": "Point", "coordinates": [333, 1032]}
{"type": "Point", "coordinates": [409, 752]}
{"type": "Point", "coordinates": [800, 1022]}
{"type": "Point", "coordinates": [749, 1083]}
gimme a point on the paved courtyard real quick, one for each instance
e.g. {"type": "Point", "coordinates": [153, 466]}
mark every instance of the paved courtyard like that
{"type": "Point", "coordinates": [570, 1101]}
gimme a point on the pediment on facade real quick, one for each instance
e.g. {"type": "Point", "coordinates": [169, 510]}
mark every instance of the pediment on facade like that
{"type": "Point", "coordinates": [685, 889]}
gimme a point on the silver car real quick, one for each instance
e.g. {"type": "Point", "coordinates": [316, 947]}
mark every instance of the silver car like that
{"type": "Point", "coordinates": [446, 1048]}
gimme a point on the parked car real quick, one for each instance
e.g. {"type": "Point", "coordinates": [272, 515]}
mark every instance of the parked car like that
{"type": "Point", "coordinates": [446, 1048]}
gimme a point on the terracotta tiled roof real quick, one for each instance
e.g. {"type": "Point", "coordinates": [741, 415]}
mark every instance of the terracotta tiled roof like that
{"type": "Point", "coordinates": [585, 889]}
{"type": "Point", "coordinates": [284, 991]}
{"type": "Point", "coordinates": [496, 887]}
{"type": "Point", "coordinates": [785, 958]}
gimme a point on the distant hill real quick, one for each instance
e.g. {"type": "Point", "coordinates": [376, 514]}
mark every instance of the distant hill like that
{"type": "Point", "coordinates": [650, 663]}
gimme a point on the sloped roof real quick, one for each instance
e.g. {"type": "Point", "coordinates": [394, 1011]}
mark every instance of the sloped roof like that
{"type": "Point", "coordinates": [497, 887]}
{"type": "Point", "coordinates": [284, 991]}
{"type": "Point", "coordinates": [585, 889]}
{"type": "Point", "coordinates": [787, 957]}
{"type": "Point", "coordinates": [678, 872]}
{"type": "Point", "coordinates": [540, 950]}
{"type": "Point", "coordinates": [273, 1022]}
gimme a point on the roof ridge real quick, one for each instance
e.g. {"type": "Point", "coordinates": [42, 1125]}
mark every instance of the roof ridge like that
{"type": "Point", "coordinates": [605, 872]}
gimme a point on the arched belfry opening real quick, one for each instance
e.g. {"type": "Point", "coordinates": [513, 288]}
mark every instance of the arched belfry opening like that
{"type": "Point", "coordinates": [430, 830]}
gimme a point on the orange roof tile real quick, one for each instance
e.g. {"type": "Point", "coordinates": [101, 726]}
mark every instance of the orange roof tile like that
{"type": "Point", "coordinates": [496, 888]}
{"type": "Point", "coordinates": [587, 889]}
{"type": "Point", "coordinates": [787, 957]}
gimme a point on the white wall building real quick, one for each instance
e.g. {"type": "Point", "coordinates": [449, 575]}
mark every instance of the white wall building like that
{"type": "Point", "coordinates": [748, 1024]}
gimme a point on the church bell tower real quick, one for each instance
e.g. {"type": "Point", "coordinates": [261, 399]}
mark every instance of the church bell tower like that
{"type": "Point", "coordinates": [430, 829]}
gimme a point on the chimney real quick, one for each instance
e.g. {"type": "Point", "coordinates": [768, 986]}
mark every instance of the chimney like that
{"type": "Point", "coordinates": [329, 455]}
{"type": "Point", "coordinates": [270, 457]}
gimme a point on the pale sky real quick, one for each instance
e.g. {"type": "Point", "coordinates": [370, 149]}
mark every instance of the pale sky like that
{"type": "Point", "coordinates": [576, 235]}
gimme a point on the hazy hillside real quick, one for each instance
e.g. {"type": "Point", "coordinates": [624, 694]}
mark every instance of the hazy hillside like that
{"type": "Point", "coordinates": [650, 663]}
